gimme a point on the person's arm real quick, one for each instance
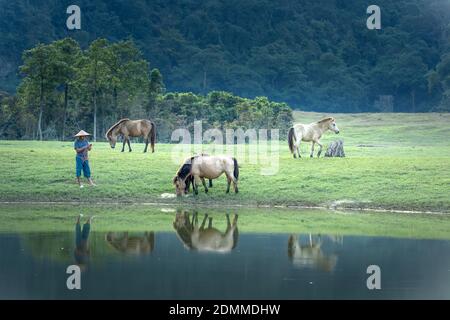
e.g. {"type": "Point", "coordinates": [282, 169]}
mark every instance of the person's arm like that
{"type": "Point", "coordinates": [79, 150]}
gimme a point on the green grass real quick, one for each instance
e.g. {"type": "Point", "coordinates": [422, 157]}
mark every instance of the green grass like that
{"type": "Point", "coordinates": [394, 161]}
{"type": "Point", "coordinates": [137, 218]}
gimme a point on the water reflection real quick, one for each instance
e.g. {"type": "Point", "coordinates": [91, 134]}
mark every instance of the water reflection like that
{"type": "Point", "coordinates": [207, 239]}
{"type": "Point", "coordinates": [309, 253]}
{"type": "Point", "coordinates": [82, 251]}
{"type": "Point", "coordinates": [131, 244]}
{"type": "Point", "coordinates": [122, 261]}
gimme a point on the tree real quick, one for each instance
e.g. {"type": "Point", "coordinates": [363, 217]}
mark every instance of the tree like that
{"type": "Point", "coordinates": [68, 60]}
{"type": "Point", "coordinates": [39, 68]}
{"type": "Point", "coordinates": [439, 81]}
{"type": "Point", "coordinates": [128, 71]}
{"type": "Point", "coordinates": [155, 88]}
{"type": "Point", "coordinates": [95, 74]}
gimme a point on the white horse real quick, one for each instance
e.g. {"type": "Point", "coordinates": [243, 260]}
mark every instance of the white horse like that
{"type": "Point", "coordinates": [197, 168]}
{"type": "Point", "coordinates": [310, 133]}
{"type": "Point", "coordinates": [205, 239]}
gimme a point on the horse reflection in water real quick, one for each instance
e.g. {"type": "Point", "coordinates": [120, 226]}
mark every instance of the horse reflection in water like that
{"type": "Point", "coordinates": [133, 245]}
{"type": "Point", "coordinates": [205, 239]}
{"type": "Point", "coordinates": [310, 254]}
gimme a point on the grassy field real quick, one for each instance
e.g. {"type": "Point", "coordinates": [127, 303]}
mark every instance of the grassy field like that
{"type": "Point", "coordinates": [394, 161]}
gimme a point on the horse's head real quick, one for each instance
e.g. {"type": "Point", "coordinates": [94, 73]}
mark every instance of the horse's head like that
{"type": "Point", "coordinates": [112, 139]}
{"type": "Point", "coordinates": [180, 186]}
{"type": "Point", "coordinates": [332, 126]}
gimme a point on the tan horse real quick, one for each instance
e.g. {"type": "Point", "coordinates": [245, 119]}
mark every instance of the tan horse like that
{"type": "Point", "coordinates": [132, 128]}
{"type": "Point", "coordinates": [137, 245]}
{"type": "Point", "coordinates": [209, 167]}
{"type": "Point", "coordinates": [310, 255]}
{"type": "Point", "coordinates": [205, 239]}
{"type": "Point", "coordinates": [310, 133]}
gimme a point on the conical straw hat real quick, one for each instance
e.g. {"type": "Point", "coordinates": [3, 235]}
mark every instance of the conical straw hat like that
{"type": "Point", "coordinates": [82, 133]}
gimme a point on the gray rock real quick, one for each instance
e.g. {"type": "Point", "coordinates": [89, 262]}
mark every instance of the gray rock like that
{"type": "Point", "coordinates": [335, 149]}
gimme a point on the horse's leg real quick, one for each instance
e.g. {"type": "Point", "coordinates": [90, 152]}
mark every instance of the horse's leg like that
{"type": "Point", "coordinates": [203, 222]}
{"type": "Point", "coordinates": [124, 142]}
{"type": "Point", "coordinates": [228, 222]}
{"type": "Point", "coordinates": [188, 184]}
{"type": "Point", "coordinates": [129, 145]}
{"type": "Point", "coordinates": [312, 149]}
{"type": "Point", "coordinates": [235, 219]}
{"type": "Point", "coordinates": [195, 219]}
{"type": "Point", "coordinates": [228, 184]}
{"type": "Point", "coordinates": [297, 144]}
{"type": "Point", "coordinates": [195, 185]}
{"type": "Point", "coordinates": [320, 149]}
{"type": "Point", "coordinates": [210, 183]}
{"type": "Point", "coordinates": [204, 185]}
{"type": "Point", "coordinates": [210, 223]}
{"type": "Point", "coordinates": [146, 145]}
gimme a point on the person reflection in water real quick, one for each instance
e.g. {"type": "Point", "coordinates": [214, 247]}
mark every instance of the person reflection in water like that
{"type": "Point", "coordinates": [82, 252]}
{"type": "Point", "coordinates": [201, 238]}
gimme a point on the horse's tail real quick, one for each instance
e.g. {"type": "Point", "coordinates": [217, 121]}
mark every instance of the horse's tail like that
{"type": "Point", "coordinates": [291, 139]}
{"type": "Point", "coordinates": [236, 169]}
{"type": "Point", "coordinates": [153, 136]}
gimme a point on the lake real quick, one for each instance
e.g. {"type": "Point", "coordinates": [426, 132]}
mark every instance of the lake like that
{"type": "Point", "coordinates": [137, 252]}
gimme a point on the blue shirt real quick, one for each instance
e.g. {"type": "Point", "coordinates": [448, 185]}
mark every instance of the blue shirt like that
{"type": "Point", "coordinates": [81, 144]}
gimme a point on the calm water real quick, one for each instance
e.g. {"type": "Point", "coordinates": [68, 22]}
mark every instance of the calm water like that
{"type": "Point", "coordinates": [209, 263]}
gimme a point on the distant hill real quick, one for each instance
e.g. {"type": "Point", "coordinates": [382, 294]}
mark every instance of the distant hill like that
{"type": "Point", "coordinates": [313, 54]}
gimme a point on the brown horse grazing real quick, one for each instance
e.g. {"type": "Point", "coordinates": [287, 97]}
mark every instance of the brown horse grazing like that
{"type": "Point", "coordinates": [132, 128]}
{"type": "Point", "coordinates": [206, 239]}
{"type": "Point", "coordinates": [201, 167]}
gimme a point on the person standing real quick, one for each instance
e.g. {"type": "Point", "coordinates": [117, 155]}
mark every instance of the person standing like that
{"type": "Point", "coordinates": [82, 147]}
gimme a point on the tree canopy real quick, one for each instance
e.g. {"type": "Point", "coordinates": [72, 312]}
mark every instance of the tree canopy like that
{"type": "Point", "coordinates": [65, 89]}
{"type": "Point", "coordinates": [312, 54]}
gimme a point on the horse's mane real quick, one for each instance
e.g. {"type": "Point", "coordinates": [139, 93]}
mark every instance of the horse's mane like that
{"type": "Point", "coordinates": [185, 168]}
{"type": "Point", "coordinates": [114, 126]}
{"type": "Point", "coordinates": [325, 120]}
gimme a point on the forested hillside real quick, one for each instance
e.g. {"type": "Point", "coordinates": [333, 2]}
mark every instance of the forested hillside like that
{"type": "Point", "coordinates": [64, 89]}
{"type": "Point", "coordinates": [312, 54]}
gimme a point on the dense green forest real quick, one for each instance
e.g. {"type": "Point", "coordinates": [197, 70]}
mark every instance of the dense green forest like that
{"type": "Point", "coordinates": [311, 54]}
{"type": "Point", "coordinates": [65, 89]}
